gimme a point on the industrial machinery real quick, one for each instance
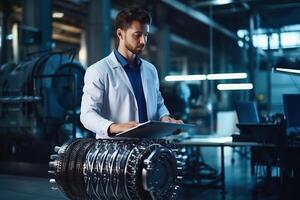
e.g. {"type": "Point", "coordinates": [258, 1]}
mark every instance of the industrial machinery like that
{"type": "Point", "coordinates": [116, 169]}
{"type": "Point", "coordinates": [37, 97]}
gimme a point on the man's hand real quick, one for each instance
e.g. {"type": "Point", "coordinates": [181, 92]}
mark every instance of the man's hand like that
{"type": "Point", "coordinates": [118, 128]}
{"type": "Point", "coordinates": [169, 119]}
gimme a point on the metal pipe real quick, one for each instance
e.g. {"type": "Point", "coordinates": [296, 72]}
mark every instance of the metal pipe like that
{"type": "Point", "coordinates": [211, 64]}
{"type": "Point", "coordinates": [18, 99]}
{"type": "Point", "coordinates": [4, 31]}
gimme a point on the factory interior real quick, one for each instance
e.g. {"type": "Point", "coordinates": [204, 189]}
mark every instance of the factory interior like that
{"type": "Point", "coordinates": [229, 69]}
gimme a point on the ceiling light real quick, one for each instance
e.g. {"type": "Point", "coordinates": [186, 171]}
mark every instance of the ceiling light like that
{"type": "Point", "coordinates": [226, 76]}
{"type": "Point", "coordinates": [235, 86]}
{"type": "Point", "coordinates": [222, 2]}
{"type": "Point", "coordinates": [296, 71]}
{"type": "Point", "coordinates": [241, 43]}
{"type": "Point", "coordinates": [186, 77]}
{"type": "Point", "coordinates": [57, 15]}
{"type": "Point", "coordinates": [288, 65]}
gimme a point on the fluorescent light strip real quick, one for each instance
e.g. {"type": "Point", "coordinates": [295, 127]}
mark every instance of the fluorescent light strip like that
{"type": "Point", "coordinates": [208, 77]}
{"type": "Point", "coordinates": [226, 76]}
{"type": "Point", "coordinates": [58, 15]}
{"type": "Point", "coordinates": [297, 71]}
{"type": "Point", "coordinates": [198, 77]}
{"type": "Point", "coordinates": [237, 86]}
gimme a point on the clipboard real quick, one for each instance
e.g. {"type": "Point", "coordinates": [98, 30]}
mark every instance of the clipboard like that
{"type": "Point", "coordinates": [156, 129]}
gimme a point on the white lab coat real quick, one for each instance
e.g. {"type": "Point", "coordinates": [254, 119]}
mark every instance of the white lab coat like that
{"type": "Point", "coordinates": [108, 96]}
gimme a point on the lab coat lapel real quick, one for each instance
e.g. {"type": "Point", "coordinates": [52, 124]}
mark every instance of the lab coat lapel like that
{"type": "Point", "coordinates": [125, 79]}
{"type": "Point", "coordinates": [120, 71]}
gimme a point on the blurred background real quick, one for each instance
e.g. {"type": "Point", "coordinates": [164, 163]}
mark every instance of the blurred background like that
{"type": "Point", "coordinates": [209, 54]}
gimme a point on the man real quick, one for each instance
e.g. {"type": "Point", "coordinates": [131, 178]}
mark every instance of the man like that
{"type": "Point", "coordinates": [122, 90]}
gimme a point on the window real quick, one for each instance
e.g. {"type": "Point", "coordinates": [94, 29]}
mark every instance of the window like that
{"type": "Point", "coordinates": [260, 40]}
{"type": "Point", "coordinates": [274, 41]}
{"type": "Point", "coordinates": [290, 39]}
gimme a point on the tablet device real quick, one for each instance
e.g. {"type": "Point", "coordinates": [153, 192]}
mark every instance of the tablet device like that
{"type": "Point", "coordinates": [157, 129]}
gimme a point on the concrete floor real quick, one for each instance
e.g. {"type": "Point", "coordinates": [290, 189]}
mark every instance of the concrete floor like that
{"type": "Point", "coordinates": [25, 188]}
{"type": "Point", "coordinates": [240, 183]}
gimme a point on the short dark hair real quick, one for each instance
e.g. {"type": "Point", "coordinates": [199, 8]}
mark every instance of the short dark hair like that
{"type": "Point", "coordinates": [126, 16]}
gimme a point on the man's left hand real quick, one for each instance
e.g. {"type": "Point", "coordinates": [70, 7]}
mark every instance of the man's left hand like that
{"type": "Point", "coordinates": [170, 120]}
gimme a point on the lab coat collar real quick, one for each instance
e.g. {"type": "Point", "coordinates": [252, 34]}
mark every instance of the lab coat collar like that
{"type": "Point", "coordinates": [114, 63]}
{"type": "Point", "coordinates": [124, 62]}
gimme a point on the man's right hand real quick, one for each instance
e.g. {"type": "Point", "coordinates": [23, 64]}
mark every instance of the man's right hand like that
{"type": "Point", "coordinates": [118, 128]}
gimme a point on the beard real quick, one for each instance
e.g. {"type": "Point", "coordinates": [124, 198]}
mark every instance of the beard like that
{"type": "Point", "coordinates": [135, 50]}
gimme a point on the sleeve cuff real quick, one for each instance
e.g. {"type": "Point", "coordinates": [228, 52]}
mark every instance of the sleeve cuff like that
{"type": "Point", "coordinates": [164, 114]}
{"type": "Point", "coordinates": [104, 130]}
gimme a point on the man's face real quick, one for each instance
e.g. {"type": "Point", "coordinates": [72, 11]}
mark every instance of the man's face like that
{"type": "Point", "coordinates": [134, 38]}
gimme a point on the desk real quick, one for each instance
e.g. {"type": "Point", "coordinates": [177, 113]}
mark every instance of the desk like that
{"type": "Point", "coordinates": [220, 142]}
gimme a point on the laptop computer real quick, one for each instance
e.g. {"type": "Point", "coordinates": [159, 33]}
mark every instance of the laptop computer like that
{"type": "Point", "coordinates": [251, 130]}
{"type": "Point", "coordinates": [247, 112]}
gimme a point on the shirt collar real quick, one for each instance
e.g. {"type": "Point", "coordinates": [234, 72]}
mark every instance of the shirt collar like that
{"type": "Point", "coordinates": [124, 62]}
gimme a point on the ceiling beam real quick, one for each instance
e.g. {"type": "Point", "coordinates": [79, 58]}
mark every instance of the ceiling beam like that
{"type": "Point", "coordinates": [200, 17]}
{"type": "Point", "coordinates": [261, 8]}
{"type": "Point", "coordinates": [66, 27]}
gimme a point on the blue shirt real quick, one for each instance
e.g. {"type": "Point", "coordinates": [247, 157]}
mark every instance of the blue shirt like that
{"type": "Point", "coordinates": [134, 75]}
